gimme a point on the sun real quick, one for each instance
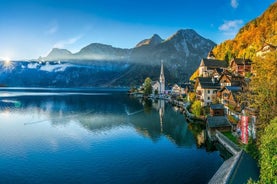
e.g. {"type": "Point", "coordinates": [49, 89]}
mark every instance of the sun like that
{"type": "Point", "coordinates": [7, 62]}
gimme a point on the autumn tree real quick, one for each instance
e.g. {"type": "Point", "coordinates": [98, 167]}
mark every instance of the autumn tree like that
{"type": "Point", "coordinates": [264, 88]}
{"type": "Point", "coordinates": [147, 86]}
{"type": "Point", "coordinates": [196, 108]}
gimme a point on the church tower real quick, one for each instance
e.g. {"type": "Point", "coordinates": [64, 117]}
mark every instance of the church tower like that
{"type": "Point", "coordinates": [162, 79]}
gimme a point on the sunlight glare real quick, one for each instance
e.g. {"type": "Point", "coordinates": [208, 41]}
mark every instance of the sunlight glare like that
{"type": "Point", "coordinates": [7, 62]}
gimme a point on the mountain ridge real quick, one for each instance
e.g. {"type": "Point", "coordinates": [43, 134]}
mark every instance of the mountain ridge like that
{"type": "Point", "coordinates": [181, 53]}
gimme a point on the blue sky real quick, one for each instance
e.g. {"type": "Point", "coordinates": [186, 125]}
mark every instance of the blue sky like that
{"type": "Point", "coordinates": [31, 28]}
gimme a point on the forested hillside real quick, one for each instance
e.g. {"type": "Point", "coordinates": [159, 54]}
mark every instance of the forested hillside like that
{"type": "Point", "coordinates": [251, 37]}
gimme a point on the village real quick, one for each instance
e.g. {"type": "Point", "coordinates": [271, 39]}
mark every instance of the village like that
{"type": "Point", "coordinates": [217, 91]}
{"type": "Point", "coordinates": [217, 97]}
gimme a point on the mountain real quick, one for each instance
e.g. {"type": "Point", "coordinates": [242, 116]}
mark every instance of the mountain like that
{"type": "Point", "coordinates": [251, 37]}
{"type": "Point", "coordinates": [104, 65]}
{"type": "Point", "coordinates": [59, 54]}
{"type": "Point", "coordinates": [154, 40]}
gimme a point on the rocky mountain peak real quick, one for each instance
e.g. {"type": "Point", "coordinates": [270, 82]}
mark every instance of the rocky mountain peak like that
{"type": "Point", "coordinates": [154, 40]}
{"type": "Point", "coordinates": [57, 53]}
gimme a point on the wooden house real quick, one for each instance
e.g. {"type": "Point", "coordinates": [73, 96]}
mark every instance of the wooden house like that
{"type": "Point", "coordinates": [220, 123]}
{"type": "Point", "coordinates": [240, 66]}
{"type": "Point", "coordinates": [217, 110]}
{"type": "Point", "coordinates": [228, 97]}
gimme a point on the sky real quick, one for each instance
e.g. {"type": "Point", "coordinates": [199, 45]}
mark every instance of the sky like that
{"type": "Point", "coordinates": [31, 28]}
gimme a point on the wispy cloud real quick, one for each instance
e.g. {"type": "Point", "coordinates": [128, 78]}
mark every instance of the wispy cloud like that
{"type": "Point", "coordinates": [234, 3]}
{"type": "Point", "coordinates": [231, 27]}
{"type": "Point", "coordinates": [63, 43]}
{"type": "Point", "coordinates": [52, 28]}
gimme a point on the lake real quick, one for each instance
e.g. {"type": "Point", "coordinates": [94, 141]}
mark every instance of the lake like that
{"type": "Point", "coordinates": [98, 137]}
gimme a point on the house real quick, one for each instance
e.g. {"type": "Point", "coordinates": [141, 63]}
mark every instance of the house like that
{"type": "Point", "coordinates": [207, 66]}
{"type": "Point", "coordinates": [217, 72]}
{"type": "Point", "coordinates": [206, 89]}
{"type": "Point", "coordinates": [229, 97]}
{"type": "Point", "coordinates": [229, 79]}
{"type": "Point", "coordinates": [176, 90]}
{"type": "Point", "coordinates": [217, 110]}
{"type": "Point", "coordinates": [220, 123]}
{"type": "Point", "coordinates": [240, 66]}
{"type": "Point", "coordinates": [265, 49]}
{"type": "Point", "coordinates": [155, 87]}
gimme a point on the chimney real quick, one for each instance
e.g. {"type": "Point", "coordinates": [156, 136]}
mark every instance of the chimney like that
{"type": "Point", "coordinates": [213, 80]}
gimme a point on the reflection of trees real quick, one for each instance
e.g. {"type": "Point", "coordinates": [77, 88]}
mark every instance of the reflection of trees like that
{"type": "Point", "coordinates": [101, 113]}
{"type": "Point", "coordinates": [147, 104]}
{"type": "Point", "coordinates": [197, 130]}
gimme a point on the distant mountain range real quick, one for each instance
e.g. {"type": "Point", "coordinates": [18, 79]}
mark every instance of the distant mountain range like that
{"type": "Point", "coordinates": [181, 52]}
{"type": "Point", "coordinates": [103, 65]}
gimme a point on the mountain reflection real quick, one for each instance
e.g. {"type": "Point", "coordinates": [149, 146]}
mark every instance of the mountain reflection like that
{"type": "Point", "coordinates": [98, 113]}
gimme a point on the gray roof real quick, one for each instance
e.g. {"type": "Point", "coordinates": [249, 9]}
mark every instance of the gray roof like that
{"type": "Point", "coordinates": [206, 83]}
{"type": "Point", "coordinates": [233, 88]}
{"type": "Point", "coordinates": [214, 63]}
{"type": "Point", "coordinates": [241, 61]}
{"type": "Point", "coordinates": [217, 106]}
{"type": "Point", "coordinates": [217, 121]}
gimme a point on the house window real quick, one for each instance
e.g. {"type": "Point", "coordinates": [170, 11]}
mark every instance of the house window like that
{"type": "Point", "coordinates": [208, 91]}
{"type": "Point", "coordinates": [208, 98]}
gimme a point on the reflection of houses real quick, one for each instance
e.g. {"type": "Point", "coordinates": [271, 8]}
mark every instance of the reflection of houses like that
{"type": "Point", "coordinates": [229, 97]}
{"type": "Point", "coordinates": [159, 86]}
{"type": "Point", "coordinates": [206, 89]}
{"type": "Point", "coordinates": [241, 66]}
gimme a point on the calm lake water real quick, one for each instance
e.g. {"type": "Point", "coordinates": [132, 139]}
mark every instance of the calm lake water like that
{"type": "Point", "coordinates": [73, 137]}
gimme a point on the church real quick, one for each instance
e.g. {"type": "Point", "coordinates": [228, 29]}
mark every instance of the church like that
{"type": "Point", "coordinates": [159, 86]}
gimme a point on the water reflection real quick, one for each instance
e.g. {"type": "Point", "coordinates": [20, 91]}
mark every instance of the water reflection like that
{"type": "Point", "coordinates": [96, 113]}
{"type": "Point", "coordinates": [98, 139]}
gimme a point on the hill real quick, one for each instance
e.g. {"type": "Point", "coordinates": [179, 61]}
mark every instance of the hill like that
{"type": "Point", "coordinates": [251, 37]}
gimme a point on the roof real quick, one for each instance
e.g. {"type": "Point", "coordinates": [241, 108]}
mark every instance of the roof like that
{"type": "Point", "coordinates": [242, 61]}
{"type": "Point", "coordinates": [154, 82]}
{"type": "Point", "coordinates": [233, 88]}
{"type": "Point", "coordinates": [214, 63]}
{"type": "Point", "coordinates": [206, 83]}
{"type": "Point", "coordinates": [217, 121]}
{"type": "Point", "coordinates": [217, 106]}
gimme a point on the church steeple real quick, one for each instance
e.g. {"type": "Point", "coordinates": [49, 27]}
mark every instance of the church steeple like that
{"type": "Point", "coordinates": [162, 79]}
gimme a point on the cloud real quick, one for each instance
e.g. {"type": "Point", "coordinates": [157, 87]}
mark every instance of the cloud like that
{"type": "Point", "coordinates": [231, 27]}
{"type": "Point", "coordinates": [234, 3]}
{"type": "Point", "coordinates": [63, 43]}
{"type": "Point", "coordinates": [52, 28]}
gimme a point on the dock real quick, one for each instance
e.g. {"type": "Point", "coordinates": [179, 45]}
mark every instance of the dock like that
{"type": "Point", "coordinates": [237, 169]}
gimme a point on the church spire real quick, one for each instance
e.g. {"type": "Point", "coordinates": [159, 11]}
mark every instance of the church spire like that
{"type": "Point", "coordinates": [162, 79]}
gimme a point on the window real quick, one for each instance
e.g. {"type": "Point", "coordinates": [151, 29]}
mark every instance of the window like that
{"type": "Point", "coordinates": [208, 98]}
{"type": "Point", "coordinates": [208, 91]}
